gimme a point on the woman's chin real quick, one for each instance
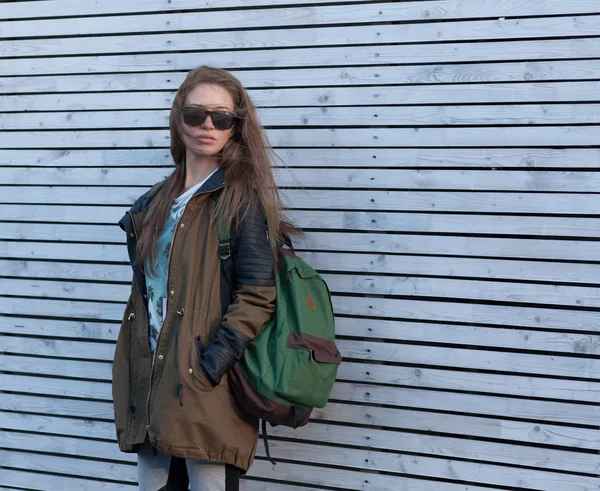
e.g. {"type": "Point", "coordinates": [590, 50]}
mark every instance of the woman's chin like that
{"type": "Point", "coordinates": [203, 150]}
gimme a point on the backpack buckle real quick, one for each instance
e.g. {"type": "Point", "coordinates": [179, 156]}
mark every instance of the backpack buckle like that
{"type": "Point", "coordinates": [224, 250]}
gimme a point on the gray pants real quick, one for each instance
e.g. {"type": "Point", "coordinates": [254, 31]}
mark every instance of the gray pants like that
{"type": "Point", "coordinates": [153, 472]}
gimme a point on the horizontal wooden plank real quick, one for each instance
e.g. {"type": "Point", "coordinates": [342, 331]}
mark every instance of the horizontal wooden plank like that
{"type": "Point", "coordinates": [436, 10]}
{"type": "Point", "coordinates": [488, 383]}
{"type": "Point", "coordinates": [419, 179]}
{"type": "Point", "coordinates": [496, 158]}
{"type": "Point", "coordinates": [490, 202]}
{"type": "Point", "coordinates": [459, 93]}
{"type": "Point", "coordinates": [504, 136]}
{"type": "Point", "coordinates": [549, 27]}
{"type": "Point", "coordinates": [343, 199]}
{"type": "Point", "coordinates": [372, 116]}
{"type": "Point", "coordinates": [432, 223]}
{"type": "Point", "coordinates": [449, 245]}
{"type": "Point", "coordinates": [525, 71]}
{"type": "Point", "coordinates": [102, 222]}
{"type": "Point", "coordinates": [67, 271]}
{"type": "Point", "coordinates": [22, 217]}
{"type": "Point", "coordinates": [344, 242]}
{"type": "Point", "coordinates": [297, 16]}
{"type": "Point", "coordinates": [66, 8]}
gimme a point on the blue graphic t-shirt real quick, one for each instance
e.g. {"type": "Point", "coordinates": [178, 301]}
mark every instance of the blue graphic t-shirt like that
{"type": "Point", "coordinates": [156, 284]}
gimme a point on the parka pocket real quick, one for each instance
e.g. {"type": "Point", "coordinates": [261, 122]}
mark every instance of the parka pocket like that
{"type": "Point", "coordinates": [197, 372]}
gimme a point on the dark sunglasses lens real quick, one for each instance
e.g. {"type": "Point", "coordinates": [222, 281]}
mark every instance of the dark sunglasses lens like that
{"type": "Point", "coordinates": [194, 117]}
{"type": "Point", "coordinates": [222, 121]}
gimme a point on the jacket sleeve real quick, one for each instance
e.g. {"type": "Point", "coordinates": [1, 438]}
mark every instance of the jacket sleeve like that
{"type": "Point", "coordinates": [253, 299]}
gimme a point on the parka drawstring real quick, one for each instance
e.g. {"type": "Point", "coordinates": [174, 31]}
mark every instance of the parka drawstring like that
{"type": "Point", "coordinates": [130, 398]}
{"type": "Point", "coordinates": [179, 386]}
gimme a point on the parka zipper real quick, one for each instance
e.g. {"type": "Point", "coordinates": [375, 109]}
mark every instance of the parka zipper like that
{"type": "Point", "coordinates": [161, 327]}
{"type": "Point", "coordinates": [130, 405]}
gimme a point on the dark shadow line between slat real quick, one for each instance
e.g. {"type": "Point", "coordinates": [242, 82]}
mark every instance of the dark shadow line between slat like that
{"type": "Point", "coordinates": [316, 147]}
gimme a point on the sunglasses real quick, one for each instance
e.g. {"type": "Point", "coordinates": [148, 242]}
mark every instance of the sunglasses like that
{"type": "Point", "coordinates": [195, 116]}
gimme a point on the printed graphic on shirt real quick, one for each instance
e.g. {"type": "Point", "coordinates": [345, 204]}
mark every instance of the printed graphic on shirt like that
{"type": "Point", "coordinates": [156, 284]}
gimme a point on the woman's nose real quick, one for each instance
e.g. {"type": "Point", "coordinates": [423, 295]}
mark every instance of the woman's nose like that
{"type": "Point", "coordinates": [208, 124]}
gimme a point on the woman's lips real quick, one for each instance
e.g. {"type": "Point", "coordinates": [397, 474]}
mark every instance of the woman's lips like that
{"type": "Point", "coordinates": [206, 139]}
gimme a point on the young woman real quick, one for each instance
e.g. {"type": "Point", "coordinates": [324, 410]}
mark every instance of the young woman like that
{"type": "Point", "coordinates": [178, 339]}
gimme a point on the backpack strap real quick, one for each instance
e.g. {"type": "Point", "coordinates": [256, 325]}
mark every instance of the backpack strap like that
{"type": "Point", "coordinates": [225, 255]}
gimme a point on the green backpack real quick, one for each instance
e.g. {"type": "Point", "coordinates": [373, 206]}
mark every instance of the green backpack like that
{"type": "Point", "coordinates": [290, 367]}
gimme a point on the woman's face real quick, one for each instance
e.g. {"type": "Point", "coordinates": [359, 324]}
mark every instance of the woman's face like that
{"type": "Point", "coordinates": [206, 140]}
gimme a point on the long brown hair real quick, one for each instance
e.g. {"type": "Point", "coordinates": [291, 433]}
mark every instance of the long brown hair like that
{"type": "Point", "coordinates": [246, 159]}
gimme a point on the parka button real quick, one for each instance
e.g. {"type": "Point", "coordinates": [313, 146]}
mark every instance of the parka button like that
{"type": "Point", "coordinates": [172, 293]}
{"type": "Point", "coordinates": [160, 357]}
{"type": "Point", "coordinates": [131, 234]}
{"type": "Point", "coordinates": [191, 370]}
{"type": "Point", "coordinates": [147, 427]}
{"type": "Point", "coordinates": [183, 225]}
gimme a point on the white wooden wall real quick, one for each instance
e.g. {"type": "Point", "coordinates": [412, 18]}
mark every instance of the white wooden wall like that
{"type": "Point", "coordinates": [445, 160]}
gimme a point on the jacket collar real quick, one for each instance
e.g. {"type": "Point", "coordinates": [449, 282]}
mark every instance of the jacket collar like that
{"type": "Point", "coordinates": [141, 205]}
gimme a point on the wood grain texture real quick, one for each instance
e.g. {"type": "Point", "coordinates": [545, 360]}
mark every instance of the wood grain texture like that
{"type": "Point", "coordinates": [376, 179]}
{"type": "Point", "coordinates": [321, 431]}
{"type": "Point", "coordinates": [549, 27]}
{"type": "Point", "coordinates": [344, 137]}
{"type": "Point", "coordinates": [374, 116]}
{"type": "Point", "coordinates": [412, 10]}
{"type": "Point", "coordinates": [459, 93]}
{"type": "Point", "coordinates": [433, 158]}
{"type": "Point", "coordinates": [348, 76]}
{"type": "Point", "coordinates": [308, 16]}
{"type": "Point", "coordinates": [63, 220]}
